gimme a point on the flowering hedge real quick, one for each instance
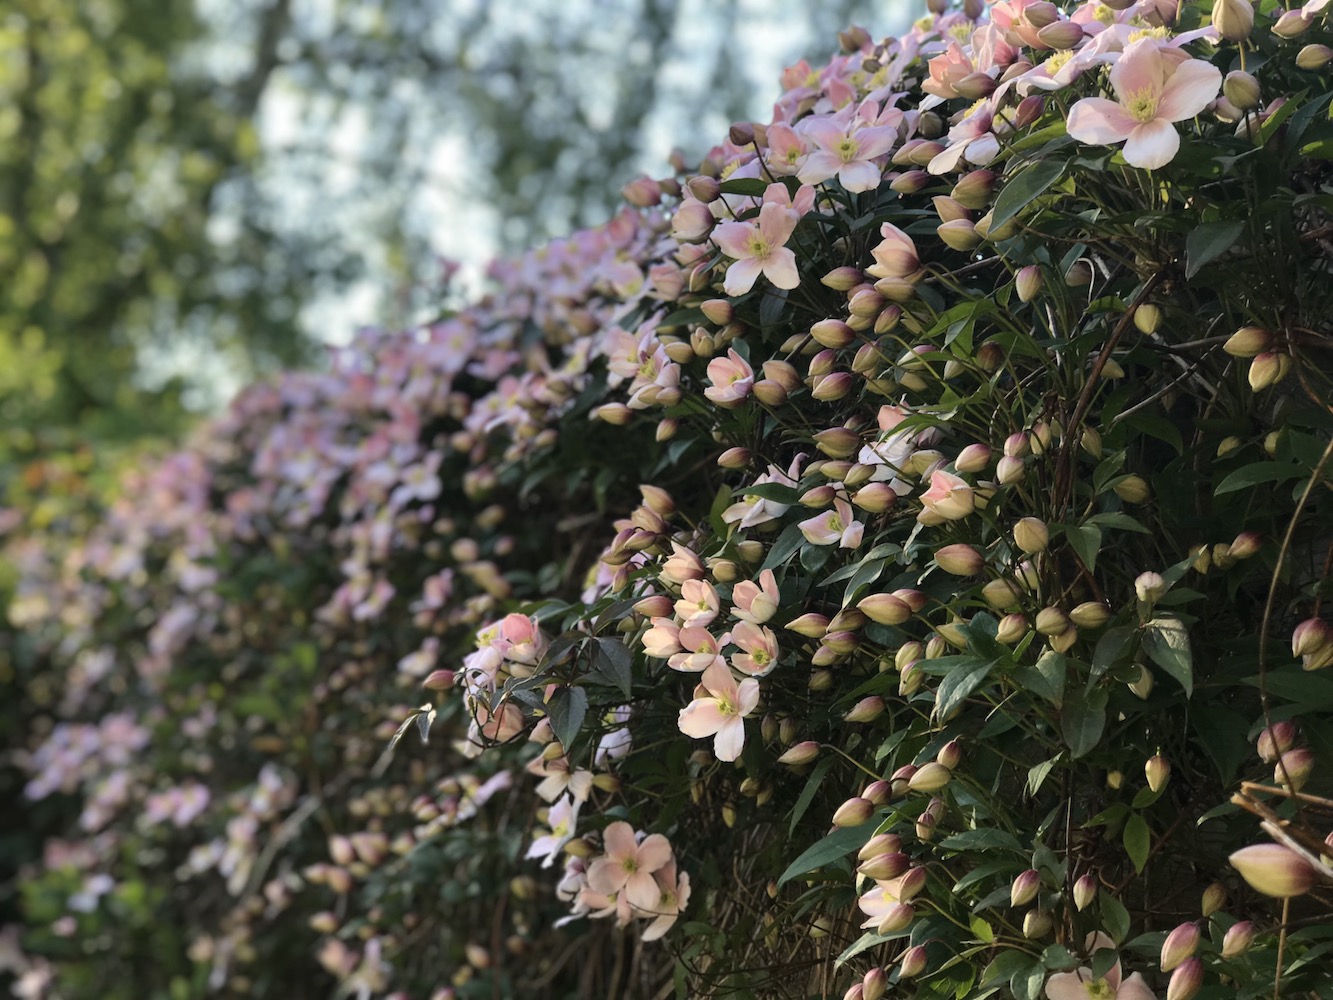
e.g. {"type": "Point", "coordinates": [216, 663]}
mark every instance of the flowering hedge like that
{"type": "Point", "coordinates": [889, 559]}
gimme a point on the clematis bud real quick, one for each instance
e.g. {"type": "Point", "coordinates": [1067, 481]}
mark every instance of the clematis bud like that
{"type": "Point", "coordinates": [910, 681]}
{"type": "Point", "coordinates": [1001, 594]}
{"type": "Point", "coordinates": [800, 753]}
{"type": "Point", "coordinates": [1242, 90]}
{"type": "Point", "coordinates": [1148, 587]}
{"type": "Point", "coordinates": [439, 680]}
{"type": "Point", "coordinates": [1009, 470]}
{"type": "Point", "coordinates": [895, 918]}
{"type": "Point", "coordinates": [1248, 342]}
{"type": "Point", "coordinates": [960, 559]}
{"type": "Point", "coordinates": [959, 234]}
{"type": "Point", "coordinates": [913, 962]}
{"type": "Point", "coordinates": [878, 792]}
{"type": "Point", "coordinates": [1268, 369]}
{"type": "Point", "coordinates": [1051, 621]}
{"type": "Point", "coordinates": [886, 609]}
{"type": "Point", "coordinates": [874, 984]}
{"type": "Point", "coordinates": [1085, 891]}
{"type": "Point", "coordinates": [880, 843]}
{"type": "Point", "coordinates": [930, 778]}
{"type": "Point", "coordinates": [1180, 945]}
{"type": "Point", "coordinates": [1078, 274]}
{"type": "Point", "coordinates": [1090, 614]}
{"type": "Point", "coordinates": [1037, 924]}
{"type": "Point", "coordinates": [925, 827]}
{"type": "Point", "coordinates": [950, 754]}
{"type": "Point", "coordinates": [1237, 940]}
{"type": "Point", "coordinates": [833, 387]}
{"type": "Point", "coordinates": [1024, 888]}
{"type": "Point", "coordinates": [1186, 980]}
{"type": "Point", "coordinates": [1061, 34]}
{"type": "Point", "coordinates": [1233, 19]}
{"type": "Point", "coordinates": [1028, 282]}
{"type": "Point", "coordinates": [340, 850]}
{"type": "Point", "coordinates": [1142, 684]}
{"type": "Point", "coordinates": [1147, 318]}
{"type": "Point", "coordinates": [1292, 24]}
{"type": "Point", "coordinates": [912, 883]}
{"type": "Point", "coordinates": [1011, 629]}
{"type": "Point", "coordinates": [1158, 772]}
{"type": "Point", "coordinates": [1276, 740]}
{"type": "Point", "coordinates": [842, 279]}
{"type": "Point", "coordinates": [866, 710]}
{"type": "Point", "coordinates": [1132, 489]}
{"type": "Point", "coordinates": [837, 442]}
{"type": "Point", "coordinates": [617, 414]}
{"type": "Point", "coordinates": [855, 992]}
{"type": "Point", "coordinates": [1274, 870]}
{"type": "Point", "coordinates": [811, 625]}
{"type": "Point", "coordinates": [833, 333]}
{"type": "Point", "coordinates": [1293, 768]}
{"type": "Point", "coordinates": [853, 812]}
{"type": "Point", "coordinates": [1246, 544]}
{"type": "Point", "coordinates": [666, 429]}
{"type": "Point", "coordinates": [901, 777]}
{"type": "Point", "coordinates": [1214, 897]}
{"type": "Point", "coordinates": [1311, 637]}
{"type": "Point", "coordinates": [1314, 57]}
{"type": "Point", "coordinates": [875, 497]}
{"type": "Point", "coordinates": [884, 867]}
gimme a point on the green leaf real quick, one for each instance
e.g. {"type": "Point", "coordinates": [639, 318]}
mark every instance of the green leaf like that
{"type": "Point", "coordinates": [777, 492]}
{"type": "Point", "coordinates": [987, 839]}
{"type": "Point", "coordinates": [1257, 474]}
{"type": "Point", "coordinates": [1038, 773]}
{"type": "Point", "coordinates": [785, 547]}
{"type": "Point", "coordinates": [868, 940]}
{"type": "Point", "coordinates": [1115, 918]}
{"type": "Point", "coordinates": [1138, 841]}
{"type": "Point", "coordinates": [985, 932]}
{"type": "Point", "coordinates": [1083, 719]}
{"type": "Point", "coordinates": [1167, 641]}
{"type": "Point", "coordinates": [752, 187]}
{"type": "Point", "coordinates": [1114, 519]}
{"type": "Point", "coordinates": [1085, 540]}
{"type": "Point", "coordinates": [808, 792]}
{"type": "Point", "coordinates": [1208, 242]}
{"type": "Point", "coordinates": [567, 711]}
{"type": "Point", "coordinates": [1116, 646]}
{"type": "Point", "coordinates": [772, 306]}
{"type": "Point", "coordinates": [958, 685]}
{"type": "Point", "coordinates": [614, 663]}
{"type": "Point", "coordinates": [1025, 187]}
{"type": "Point", "coordinates": [1221, 732]}
{"type": "Point", "coordinates": [866, 574]}
{"type": "Point", "coordinates": [1005, 966]}
{"type": "Point", "coordinates": [1046, 679]}
{"type": "Point", "coordinates": [837, 844]}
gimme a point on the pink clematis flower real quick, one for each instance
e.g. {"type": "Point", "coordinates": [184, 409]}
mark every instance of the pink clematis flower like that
{"type": "Point", "coordinates": [756, 602]}
{"type": "Point", "coordinates": [847, 150]}
{"type": "Point", "coordinates": [1082, 985]}
{"type": "Point", "coordinates": [1151, 96]}
{"type": "Point", "coordinates": [732, 378]}
{"type": "Point", "coordinates": [759, 649]}
{"type": "Point", "coordinates": [629, 865]}
{"type": "Point", "coordinates": [698, 604]}
{"type": "Point", "coordinates": [834, 526]}
{"type": "Point", "coordinates": [699, 650]}
{"type": "Point", "coordinates": [721, 711]}
{"type": "Point", "coordinates": [759, 247]}
{"type": "Point", "coordinates": [675, 897]}
{"type": "Point", "coordinates": [949, 497]}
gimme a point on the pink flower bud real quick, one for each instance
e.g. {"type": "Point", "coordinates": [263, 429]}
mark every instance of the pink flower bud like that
{"type": "Point", "coordinates": [1274, 870]}
{"type": "Point", "coordinates": [1314, 57]}
{"type": "Point", "coordinates": [1085, 890]}
{"type": "Point", "coordinates": [880, 843]}
{"type": "Point", "coordinates": [1233, 19]}
{"type": "Point", "coordinates": [1158, 772]}
{"type": "Point", "coordinates": [1186, 980]}
{"type": "Point", "coordinates": [1179, 945]}
{"type": "Point", "coordinates": [874, 984]}
{"type": "Point", "coordinates": [1148, 587]}
{"type": "Point", "coordinates": [885, 609]}
{"type": "Point", "coordinates": [1037, 924]}
{"type": "Point", "coordinates": [855, 992]}
{"type": "Point", "coordinates": [833, 333]}
{"type": "Point", "coordinates": [866, 710]}
{"type": "Point", "coordinates": [1268, 369]}
{"type": "Point", "coordinates": [1028, 282]}
{"type": "Point", "coordinates": [340, 850]}
{"type": "Point", "coordinates": [960, 559]}
{"type": "Point", "coordinates": [911, 884]}
{"type": "Point", "coordinates": [1310, 637]}
{"type": "Point", "coordinates": [800, 753]}
{"type": "Point", "coordinates": [1024, 888]}
{"type": "Point", "coordinates": [1214, 897]}
{"type": "Point", "coordinates": [1238, 938]}
{"type": "Point", "coordinates": [1292, 24]}
{"type": "Point", "coordinates": [833, 387]}
{"type": "Point", "coordinates": [901, 777]}
{"type": "Point", "coordinates": [1248, 342]}
{"type": "Point", "coordinates": [878, 792]}
{"type": "Point", "coordinates": [1012, 628]}
{"type": "Point", "coordinates": [950, 754]}
{"type": "Point", "coordinates": [837, 442]}
{"type": "Point", "coordinates": [1242, 90]}
{"type": "Point", "coordinates": [911, 181]}
{"type": "Point", "coordinates": [439, 680]}
{"type": "Point", "coordinates": [930, 778]}
{"type": "Point", "coordinates": [896, 918]}
{"type": "Point", "coordinates": [875, 498]}
{"type": "Point", "coordinates": [1275, 740]}
{"type": "Point", "coordinates": [810, 625]}
{"type": "Point", "coordinates": [1051, 621]}
{"type": "Point", "coordinates": [1009, 470]}
{"type": "Point", "coordinates": [925, 827]}
{"type": "Point", "coordinates": [885, 867]}
{"type": "Point", "coordinates": [853, 812]}
{"type": "Point", "coordinates": [1293, 768]}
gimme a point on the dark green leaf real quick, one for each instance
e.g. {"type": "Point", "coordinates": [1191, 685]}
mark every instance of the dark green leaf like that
{"type": "Point", "coordinates": [957, 685]}
{"type": "Point", "coordinates": [1209, 241]}
{"type": "Point", "coordinates": [808, 792]}
{"type": "Point", "coordinates": [753, 187]}
{"type": "Point", "coordinates": [1115, 918]}
{"type": "Point", "coordinates": [567, 710]}
{"type": "Point", "coordinates": [1083, 719]}
{"type": "Point", "coordinates": [1025, 187]}
{"type": "Point", "coordinates": [837, 844]}
{"type": "Point", "coordinates": [1085, 540]}
{"type": "Point", "coordinates": [772, 491]}
{"type": "Point", "coordinates": [1115, 647]}
{"type": "Point", "coordinates": [1167, 641]}
{"type": "Point", "coordinates": [614, 663]}
{"type": "Point", "coordinates": [1258, 474]}
{"type": "Point", "coordinates": [1138, 841]}
{"type": "Point", "coordinates": [785, 547]}
{"type": "Point", "coordinates": [981, 840]}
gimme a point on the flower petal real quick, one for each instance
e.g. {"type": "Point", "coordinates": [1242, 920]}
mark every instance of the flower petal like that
{"type": "Point", "coordinates": [730, 739]}
{"type": "Point", "coordinates": [733, 238]}
{"type": "Point", "coordinates": [1191, 89]}
{"type": "Point", "coordinates": [1099, 122]}
{"type": "Point", "coordinates": [618, 840]}
{"type": "Point", "coordinates": [654, 853]}
{"type": "Point", "coordinates": [1152, 145]}
{"type": "Point", "coordinates": [701, 717]}
{"type": "Point", "coordinates": [860, 175]}
{"type": "Point", "coordinates": [780, 268]}
{"type": "Point", "coordinates": [1139, 70]}
{"type": "Point", "coordinates": [741, 276]}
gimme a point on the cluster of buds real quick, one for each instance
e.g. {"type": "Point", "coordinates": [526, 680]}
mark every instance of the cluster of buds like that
{"type": "Point", "coordinates": [1292, 765]}
{"type": "Point", "coordinates": [1312, 641]}
{"type": "Point", "coordinates": [1268, 365]}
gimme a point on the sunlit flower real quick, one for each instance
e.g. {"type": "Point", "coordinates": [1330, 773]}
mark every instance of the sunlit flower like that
{"type": "Point", "coordinates": [1152, 92]}
{"type": "Point", "coordinates": [759, 247]}
{"type": "Point", "coordinates": [629, 865]}
{"type": "Point", "coordinates": [720, 712]}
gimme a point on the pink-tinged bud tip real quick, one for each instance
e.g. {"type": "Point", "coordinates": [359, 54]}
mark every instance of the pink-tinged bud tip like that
{"type": "Point", "coordinates": [1274, 870]}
